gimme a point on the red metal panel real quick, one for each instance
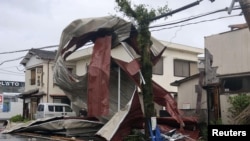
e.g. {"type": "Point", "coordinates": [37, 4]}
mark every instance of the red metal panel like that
{"type": "Point", "coordinates": [134, 119]}
{"type": "Point", "coordinates": [98, 78]}
{"type": "Point", "coordinates": [161, 96]}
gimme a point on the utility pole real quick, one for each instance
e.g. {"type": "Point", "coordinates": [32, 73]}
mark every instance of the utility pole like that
{"type": "Point", "coordinates": [245, 6]}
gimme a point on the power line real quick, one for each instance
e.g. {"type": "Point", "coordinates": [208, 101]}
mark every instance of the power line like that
{"type": "Point", "coordinates": [16, 51]}
{"type": "Point", "coordinates": [167, 24]}
{"type": "Point", "coordinates": [10, 71]}
{"type": "Point", "coordinates": [193, 17]}
{"type": "Point", "coordinates": [11, 60]}
{"type": "Point", "coordinates": [196, 22]}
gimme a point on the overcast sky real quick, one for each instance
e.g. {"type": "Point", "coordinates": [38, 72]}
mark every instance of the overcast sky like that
{"type": "Point", "coordinates": [26, 24]}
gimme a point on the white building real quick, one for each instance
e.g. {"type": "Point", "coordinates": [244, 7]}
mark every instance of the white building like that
{"type": "Point", "coordinates": [231, 53]}
{"type": "Point", "coordinates": [39, 85]}
{"type": "Point", "coordinates": [177, 62]}
{"type": "Point", "coordinates": [10, 104]}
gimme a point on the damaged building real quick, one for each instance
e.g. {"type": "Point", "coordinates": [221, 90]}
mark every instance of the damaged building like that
{"type": "Point", "coordinates": [105, 77]}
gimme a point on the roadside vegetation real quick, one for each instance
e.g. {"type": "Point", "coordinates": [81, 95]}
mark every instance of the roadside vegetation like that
{"type": "Point", "coordinates": [18, 118]}
{"type": "Point", "coordinates": [239, 111]}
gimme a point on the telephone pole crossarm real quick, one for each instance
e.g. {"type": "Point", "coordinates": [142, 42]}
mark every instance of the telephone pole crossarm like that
{"type": "Point", "coordinates": [176, 10]}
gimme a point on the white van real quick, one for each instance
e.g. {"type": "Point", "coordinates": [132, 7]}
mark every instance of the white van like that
{"type": "Point", "coordinates": [53, 110]}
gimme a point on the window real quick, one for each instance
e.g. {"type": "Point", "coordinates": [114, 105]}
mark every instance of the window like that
{"type": "Point", "coordinates": [61, 99]}
{"type": "Point", "coordinates": [40, 108]}
{"type": "Point", "coordinates": [58, 108]}
{"type": "Point", "coordinates": [236, 84]}
{"type": "Point", "coordinates": [183, 68]}
{"type": "Point", "coordinates": [70, 70]}
{"type": "Point", "coordinates": [67, 109]}
{"type": "Point", "coordinates": [6, 106]}
{"type": "Point", "coordinates": [33, 76]}
{"type": "Point", "coordinates": [51, 108]}
{"type": "Point", "coordinates": [158, 68]}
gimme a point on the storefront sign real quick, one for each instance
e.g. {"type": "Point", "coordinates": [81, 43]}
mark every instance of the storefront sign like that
{"type": "Point", "coordinates": [11, 84]}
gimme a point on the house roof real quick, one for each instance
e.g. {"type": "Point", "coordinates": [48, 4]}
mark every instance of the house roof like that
{"type": "Point", "coordinates": [179, 82]}
{"type": "Point", "coordinates": [42, 54]}
{"type": "Point", "coordinates": [31, 93]}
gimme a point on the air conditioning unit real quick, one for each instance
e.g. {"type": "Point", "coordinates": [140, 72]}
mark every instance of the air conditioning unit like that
{"type": "Point", "coordinates": [39, 70]}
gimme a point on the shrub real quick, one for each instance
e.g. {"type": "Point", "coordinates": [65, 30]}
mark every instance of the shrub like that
{"type": "Point", "coordinates": [18, 118]}
{"type": "Point", "coordinates": [239, 103]}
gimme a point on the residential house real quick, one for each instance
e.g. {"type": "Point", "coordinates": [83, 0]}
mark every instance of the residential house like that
{"type": "Point", "coordinates": [39, 85]}
{"type": "Point", "coordinates": [10, 104]}
{"type": "Point", "coordinates": [227, 73]}
{"type": "Point", "coordinates": [177, 62]}
{"type": "Point", "coordinates": [192, 98]}
{"type": "Point", "coordinates": [231, 53]}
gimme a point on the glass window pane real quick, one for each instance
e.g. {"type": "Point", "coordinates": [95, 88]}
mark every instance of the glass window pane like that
{"type": "Point", "coordinates": [58, 108]}
{"type": "Point", "coordinates": [51, 108]}
{"type": "Point", "coordinates": [158, 68]}
{"type": "Point", "coordinates": [182, 68]}
{"type": "Point", "coordinates": [193, 68]}
{"type": "Point", "coordinates": [185, 69]}
{"type": "Point", "coordinates": [67, 109]}
{"type": "Point", "coordinates": [40, 108]}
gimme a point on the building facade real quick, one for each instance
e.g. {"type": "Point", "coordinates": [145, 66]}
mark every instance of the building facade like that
{"type": "Point", "coordinates": [10, 104]}
{"type": "Point", "coordinates": [231, 52]}
{"type": "Point", "coordinates": [177, 62]}
{"type": "Point", "coordinates": [39, 81]}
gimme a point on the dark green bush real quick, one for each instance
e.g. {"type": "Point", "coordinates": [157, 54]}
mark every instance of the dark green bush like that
{"type": "Point", "coordinates": [239, 103]}
{"type": "Point", "coordinates": [18, 118]}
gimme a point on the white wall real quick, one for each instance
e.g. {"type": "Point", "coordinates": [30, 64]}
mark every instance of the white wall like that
{"type": "Point", "coordinates": [15, 109]}
{"type": "Point", "coordinates": [175, 51]}
{"type": "Point", "coordinates": [187, 97]}
{"type": "Point", "coordinates": [230, 50]}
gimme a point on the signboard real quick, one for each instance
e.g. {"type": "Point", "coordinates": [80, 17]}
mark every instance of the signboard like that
{"type": "Point", "coordinates": [11, 84]}
{"type": "Point", "coordinates": [1, 102]}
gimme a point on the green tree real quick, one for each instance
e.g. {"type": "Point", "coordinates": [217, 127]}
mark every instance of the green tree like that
{"type": "Point", "coordinates": [143, 16]}
{"type": "Point", "coordinates": [239, 103]}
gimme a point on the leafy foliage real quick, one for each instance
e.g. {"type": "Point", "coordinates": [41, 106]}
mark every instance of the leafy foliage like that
{"type": "Point", "coordinates": [140, 13]}
{"type": "Point", "coordinates": [143, 16]}
{"type": "Point", "coordinates": [18, 118]}
{"type": "Point", "coordinates": [239, 103]}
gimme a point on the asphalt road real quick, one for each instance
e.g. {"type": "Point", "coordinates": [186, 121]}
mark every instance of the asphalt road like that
{"type": "Point", "coordinates": [12, 137]}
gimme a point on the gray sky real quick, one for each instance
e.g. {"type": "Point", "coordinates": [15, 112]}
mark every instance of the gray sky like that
{"type": "Point", "coordinates": [26, 24]}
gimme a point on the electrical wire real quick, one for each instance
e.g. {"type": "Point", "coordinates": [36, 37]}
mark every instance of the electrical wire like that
{"type": "Point", "coordinates": [16, 51]}
{"type": "Point", "coordinates": [196, 22]}
{"type": "Point", "coordinates": [155, 26]}
{"type": "Point", "coordinates": [11, 60]}
{"type": "Point", "coordinates": [193, 17]}
{"type": "Point", "coordinates": [10, 71]}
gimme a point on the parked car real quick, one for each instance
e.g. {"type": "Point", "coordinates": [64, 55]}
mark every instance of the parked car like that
{"type": "Point", "coordinates": [53, 110]}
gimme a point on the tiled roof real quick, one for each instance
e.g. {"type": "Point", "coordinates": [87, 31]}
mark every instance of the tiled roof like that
{"type": "Point", "coordinates": [42, 54]}
{"type": "Point", "coordinates": [178, 82]}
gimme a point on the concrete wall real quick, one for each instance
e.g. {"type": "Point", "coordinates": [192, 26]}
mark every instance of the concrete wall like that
{"type": "Point", "coordinates": [187, 97]}
{"type": "Point", "coordinates": [230, 50]}
{"type": "Point", "coordinates": [175, 51]}
{"type": "Point", "coordinates": [46, 76]}
{"type": "Point", "coordinates": [231, 53]}
{"type": "Point", "coordinates": [15, 109]}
